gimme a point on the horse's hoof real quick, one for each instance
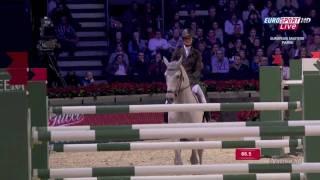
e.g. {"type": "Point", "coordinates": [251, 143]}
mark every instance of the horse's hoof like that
{"type": "Point", "coordinates": [178, 163]}
{"type": "Point", "coordinates": [194, 161]}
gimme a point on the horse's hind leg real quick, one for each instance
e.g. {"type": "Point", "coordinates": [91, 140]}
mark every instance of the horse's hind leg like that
{"type": "Point", "coordinates": [194, 156]}
{"type": "Point", "coordinates": [200, 152]}
{"type": "Point", "coordinates": [177, 158]}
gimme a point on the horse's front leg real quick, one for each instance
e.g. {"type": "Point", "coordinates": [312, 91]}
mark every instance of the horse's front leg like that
{"type": "Point", "coordinates": [200, 152]}
{"type": "Point", "coordinates": [177, 158]}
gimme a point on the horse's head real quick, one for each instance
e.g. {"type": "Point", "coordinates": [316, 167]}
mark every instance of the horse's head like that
{"type": "Point", "coordinates": [175, 78]}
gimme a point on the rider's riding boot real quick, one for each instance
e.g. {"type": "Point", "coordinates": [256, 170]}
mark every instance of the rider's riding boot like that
{"type": "Point", "coordinates": [165, 117]}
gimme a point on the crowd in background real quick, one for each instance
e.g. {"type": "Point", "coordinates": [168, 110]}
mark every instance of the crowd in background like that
{"type": "Point", "coordinates": [232, 38]}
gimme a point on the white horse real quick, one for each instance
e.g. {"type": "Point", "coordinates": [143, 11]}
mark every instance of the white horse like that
{"type": "Point", "coordinates": [179, 92]}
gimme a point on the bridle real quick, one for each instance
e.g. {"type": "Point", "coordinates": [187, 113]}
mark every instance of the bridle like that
{"type": "Point", "coordinates": [179, 89]}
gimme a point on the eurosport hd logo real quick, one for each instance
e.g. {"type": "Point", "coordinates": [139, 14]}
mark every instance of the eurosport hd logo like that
{"type": "Point", "coordinates": [287, 23]}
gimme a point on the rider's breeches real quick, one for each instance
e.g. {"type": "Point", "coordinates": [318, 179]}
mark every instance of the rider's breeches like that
{"type": "Point", "coordinates": [198, 91]}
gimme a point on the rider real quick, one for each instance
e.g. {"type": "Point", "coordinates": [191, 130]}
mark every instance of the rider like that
{"type": "Point", "coordinates": [192, 63]}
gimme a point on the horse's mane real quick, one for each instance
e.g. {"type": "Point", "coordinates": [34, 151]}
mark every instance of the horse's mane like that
{"type": "Point", "coordinates": [176, 66]}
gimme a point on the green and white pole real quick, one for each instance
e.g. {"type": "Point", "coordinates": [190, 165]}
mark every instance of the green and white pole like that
{"type": "Point", "coordinates": [257, 106]}
{"type": "Point", "coordinates": [295, 92]}
{"type": "Point", "coordinates": [311, 99]}
{"type": "Point", "coordinates": [138, 146]}
{"type": "Point", "coordinates": [15, 151]}
{"type": "Point", "coordinates": [271, 176]}
{"type": "Point", "coordinates": [184, 125]}
{"type": "Point", "coordinates": [173, 133]}
{"type": "Point", "coordinates": [38, 103]}
{"type": "Point", "coordinates": [177, 170]}
{"type": "Point", "coordinates": [271, 90]}
{"type": "Point", "coordinates": [292, 82]}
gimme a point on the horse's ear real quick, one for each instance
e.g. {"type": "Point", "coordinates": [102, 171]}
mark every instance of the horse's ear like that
{"type": "Point", "coordinates": [165, 60]}
{"type": "Point", "coordinates": [180, 61]}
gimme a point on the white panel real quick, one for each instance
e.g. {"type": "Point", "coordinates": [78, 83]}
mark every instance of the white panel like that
{"type": "Point", "coordinates": [57, 136]}
{"type": "Point", "coordinates": [93, 43]}
{"type": "Point", "coordinates": [86, 6]}
{"type": "Point", "coordinates": [85, 53]}
{"type": "Point", "coordinates": [88, 15]}
{"type": "Point", "coordinates": [79, 109]}
{"type": "Point", "coordinates": [308, 64]}
{"type": "Point", "coordinates": [72, 172]}
{"type": "Point", "coordinates": [175, 107]}
{"type": "Point", "coordinates": [93, 24]}
{"type": "Point", "coordinates": [91, 34]}
{"type": "Point", "coordinates": [79, 63]}
{"type": "Point", "coordinates": [83, 73]}
{"type": "Point", "coordinates": [191, 169]}
{"type": "Point", "coordinates": [175, 133]}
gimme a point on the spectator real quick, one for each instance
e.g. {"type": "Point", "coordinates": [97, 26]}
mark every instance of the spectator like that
{"type": "Point", "coordinates": [149, 16]}
{"type": "Point", "coordinates": [218, 31]}
{"type": "Point", "coordinates": [272, 46]}
{"type": "Point", "coordinates": [315, 45]}
{"type": "Point", "coordinates": [215, 49]}
{"type": "Point", "coordinates": [119, 51]}
{"type": "Point", "coordinates": [66, 35]}
{"type": "Point", "coordinates": [176, 41]}
{"type": "Point", "coordinates": [117, 38]}
{"type": "Point", "coordinates": [119, 69]}
{"type": "Point", "coordinates": [271, 30]}
{"type": "Point", "coordinates": [253, 22]}
{"type": "Point", "coordinates": [246, 13]}
{"type": "Point", "coordinates": [60, 11]}
{"type": "Point", "coordinates": [132, 18]}
{"type": "Point", "coordinates": [237, 34]}
{"type": "Point", "coordinates": [72, 79]}
{"type": "Point", "coordinates": [158, 43]}
{"type": "Point", "coordinates": [211, 39]}
{"type": "Point", "coordinates": [243, 57]}
{"type": "Point", "coordinates": [294, 51]}
{"type": "Point", "coordinates": [265, 12]}
{"type": "Point", "coordinates": [88, 79]}
{"type": "Point", "coordinates": [149, 33]}
{"type": "Point", "coordinates": [303, 53]}
{"type": "Point", "coordinates": [256, 64]}
{"type": "Point", "coordinates": [135, 45]}
{"type": "Point", "coordinates": [206, 57]}
{"type": "Point", "coordinates": [52, 4]}
{"type": "Point", "coordinates": [288, 9]}
{"type": "Point", "coordinates": [238, 69]}
{"type": "Point", "coordinates": [176, 23]}
{"type": "Point", "coordinates": [193, 28]}
{"type": "Point", "coordinates": [231, 8]}
{"type": "Point", "coordinates": [235, 48]}
{"type": "Point", "coordinates": [140, 69]}
{"type": "Point", "coordinates": [212, 17]}
{"type": "Point", "coordinates": [315, 20]}
{"type": "Point", "coordinates": [219, 63]}
{"type": "Point", "coordinates": [157, 68]}
{"type": "Point", "coordinates": [258, 60]}
{"type": "Point", "coordinates": [199, 36]}
{"type": "Point", "coordinates": [256, 46]}
{"type": "Point", "coordinates": [230, 25]}
{"type": "Point", "coordinates": [278, 52]}
{"type": "Point", "coordinates": [193, 18]}
{"type": "Point", "coordinates": [251, 38]}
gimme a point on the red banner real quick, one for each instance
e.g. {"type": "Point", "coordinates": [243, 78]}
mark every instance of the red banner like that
{"type": "Point", "coordinates": [105, 119]}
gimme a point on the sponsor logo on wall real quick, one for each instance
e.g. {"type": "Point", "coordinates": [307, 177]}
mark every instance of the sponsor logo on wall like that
{"type": "Point", "coordinates": [65, 119]}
